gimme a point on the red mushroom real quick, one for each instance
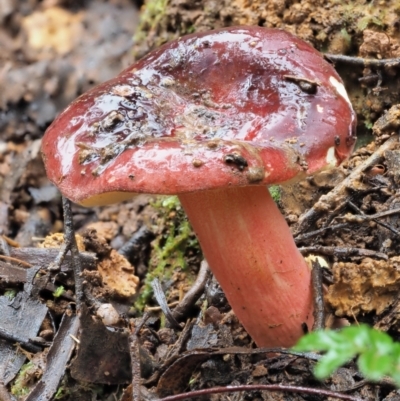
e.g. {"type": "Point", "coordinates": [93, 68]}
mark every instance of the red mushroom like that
{"type": "Point", "coordinates": [215, 117]}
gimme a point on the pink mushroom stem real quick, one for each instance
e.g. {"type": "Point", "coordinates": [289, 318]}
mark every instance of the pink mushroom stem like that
{"type": "Point", "coordinates": [250, 250]}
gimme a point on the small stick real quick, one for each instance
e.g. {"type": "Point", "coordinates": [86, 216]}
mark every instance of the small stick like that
{"type": "Point", "coordinates": [15, 260]}
{"type": "Point", "coordinates": [162, 301]}
{"type": "Point", "coordinates": [71, 244]}
{"type": "Point", "coordinates": [342, 252]}
{"type": "Point", "coordinates": [363, 62]}
{"type": "Point", "coordinates": [327, 202]}
{"type": "Point", "coordinates": [364, 217]}
{"type": "Point", "coordinates": [320, 231]}
{"type": "Point", "coordinates": [381, 223]}
{"type": "Point", "coordinates": [158, 308]}
{"type": "Point", "coordinates": [194, 293]}
{"type": "Point", "coordinates": [11, 242]}
{"type": "Point", "coordinates": [56, 265]}
{"type": "Point", "coordinates": [178, 347]}
{"type": "Point", "coordinates": [385, 213]}
{"type": "Point", "coordinates": [23, 342]}
{"type": "Point", "coordinates": [319, 307]}
{"type": "Point", "coordinates": [261, 387]}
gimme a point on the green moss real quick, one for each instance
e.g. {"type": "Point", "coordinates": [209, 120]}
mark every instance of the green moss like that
{"type": "Point", "coordinates": [61, 393]}
{"type": "Point", "coordinates": [190, 29]}
{"type": "Point", "coordinates": [58, 292]}
{"type": "Point", "coordinates": [368, 20]}
{"type": "Point", "coordinates": [275, 191]}
{"type": "Point", "coordinates": [359, 14]}
{"type": "Point", "coordinates": [364, 139]}
{"type": "Point", "coordinates": [163, 321]}
{"type": "Point", "coordinates": [150, 16]}
{"type": "Point", "coordinates": [169, 248]}
{"type": "Point", "coordinates": [170, 203]}
{"type": "Point", "coordinates": [20, 387]}
{"type": "Point", "coordinates": [368, 124]}
{"type": "Point", "coordinates": [10, 294]}
{"type": "Point", "coordinates": [346, 36]}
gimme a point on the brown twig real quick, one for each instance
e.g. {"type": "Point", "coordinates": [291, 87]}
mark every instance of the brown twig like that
{"type": "Point", "coordinates": [194, 293]}
{"type": "Point", "coordinates": [46, 256]}
{"type": "Point", "coordinates": [10, 241]}
{"type": "Point", "coordinates": [70, 242]}
{"type": "Point", "coordinates": [176, 349]}
{"type": "Point", "coordinates": [328, 201]}
{"type": "Point", "coordinates": [385, 213]}
{"type": "Point", "coordinates": [319, 307]}
{"type": "Point", "coordinates": [81, 293]}
{"type": "Point", "coordinates": [349, 220]}
{"type": "Point", "coordinates": [59, 260]}
{"type": "Point", "coordinates": [15, 260]}
{"type": "Point", "coordinates": [362, 216]}
{"type": "Point", "coordinates": [342, 252]}
{"type": "Point", "coordinates": [323, 230]}
{"type": "Point", "coordinates": [158, 308]}
{"type": "Point", "coordinates": [363, 62]}
{"type": "Point", "coordinates": [261, 387]}
{"type": "Point", "coordinates": [23, 342]}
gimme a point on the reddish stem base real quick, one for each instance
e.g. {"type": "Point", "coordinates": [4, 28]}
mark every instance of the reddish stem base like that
{"type": "Point", "coordinates": [251, 252]}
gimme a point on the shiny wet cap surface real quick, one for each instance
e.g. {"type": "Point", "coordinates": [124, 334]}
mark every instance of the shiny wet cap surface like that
{"type": "Point", "coordinates": [236, 106]}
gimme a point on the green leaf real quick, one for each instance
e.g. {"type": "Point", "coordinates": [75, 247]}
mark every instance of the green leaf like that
{"type": "Point", "coordinates": [322, 340]}
{"type": "Point", "coordinates": [378, 355]}
{"type": "Point", "coordinates": [357, 336]}
{"type": "Point", "coordinates": [331, 362]}
{"type": "Point", "coordinates": [396, 376]}
{"type": "Point", "coordinates": [374, 366]}
{"type": "Point", "coordinates": [382, 342]}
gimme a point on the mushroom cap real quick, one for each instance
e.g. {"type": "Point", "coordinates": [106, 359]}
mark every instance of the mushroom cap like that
{"type": "Point", "coordinates": [236, 106]}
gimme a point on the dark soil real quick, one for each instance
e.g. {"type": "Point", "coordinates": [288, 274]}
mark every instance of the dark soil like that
{"type": "Point", "coordinates": [53, 51]}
